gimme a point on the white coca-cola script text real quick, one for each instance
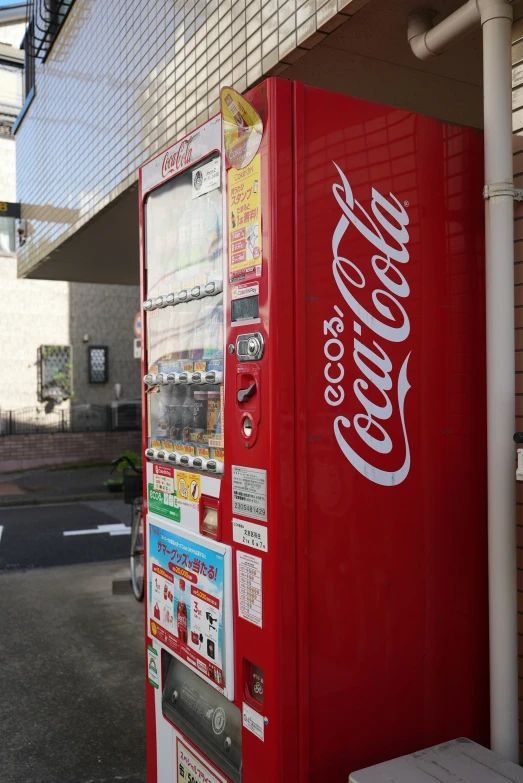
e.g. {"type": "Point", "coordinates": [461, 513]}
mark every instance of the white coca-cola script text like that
{"type": "Point", "coordinates": [377, 403]}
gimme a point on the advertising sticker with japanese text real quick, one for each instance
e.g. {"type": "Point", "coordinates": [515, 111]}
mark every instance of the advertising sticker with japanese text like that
{"type": "Point", "coordinates": [153, 672]}
{"type": "Point", "coordinates": [190, 769]}
{"type": "Point", "coordinates": [249, 492]}
{"type": "Point", "coordinates": [244, 200]}
{"type": "Point", "coordinates": [185, 600]}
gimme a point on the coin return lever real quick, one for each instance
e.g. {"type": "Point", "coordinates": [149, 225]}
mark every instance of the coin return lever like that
{"type": "Point", "coordinates": [248, 402]}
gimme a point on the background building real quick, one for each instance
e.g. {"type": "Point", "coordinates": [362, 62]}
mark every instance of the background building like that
{"type": "Point", "coordinates": [66, 319]}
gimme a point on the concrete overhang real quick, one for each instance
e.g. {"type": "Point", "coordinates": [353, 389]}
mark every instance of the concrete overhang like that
{"type": "Point", "coordinates": [17, 12]}
{"type": "Point", "coordinates": [10, 54]}
{"type": "Point", "coordinates": [104, 250]}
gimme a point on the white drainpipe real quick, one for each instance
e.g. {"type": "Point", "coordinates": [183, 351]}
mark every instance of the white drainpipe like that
{"type": "Point", "coordinates": [426, 41]}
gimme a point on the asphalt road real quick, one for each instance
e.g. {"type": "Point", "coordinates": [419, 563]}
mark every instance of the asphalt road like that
{"type": "Point", "coordinates": [72, 677]}
{"type": "Point", "coordinates": [72, 681]}
{"type": "Point", "coordinates": [63, 534]}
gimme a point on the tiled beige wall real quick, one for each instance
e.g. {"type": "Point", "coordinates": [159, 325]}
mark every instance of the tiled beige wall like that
{"type": "Point", "coordinates": [126, 77]}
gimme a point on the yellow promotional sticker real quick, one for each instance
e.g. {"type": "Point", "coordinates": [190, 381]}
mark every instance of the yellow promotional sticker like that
{"type": "Point", "coordinates": [242, 127]}
{"type": "Point", "coordinates": [188, 486]}
{"type": "Point", "coordinates": [244, 207]}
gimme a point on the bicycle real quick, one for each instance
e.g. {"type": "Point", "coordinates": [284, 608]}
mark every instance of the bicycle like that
{"type": "Point", "coordinates": [132, 495]}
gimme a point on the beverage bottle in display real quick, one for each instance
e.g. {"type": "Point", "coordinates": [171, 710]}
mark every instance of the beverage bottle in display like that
{"type": "Point", "coordinates": [160, 405]}
{"type": "Point", "coordinates": [198, 231]}
{"type": "Point", "coordinates": [213, 409]}
{"type": "Point", "coordinates": [200, 413]}
{"type": "Point", "coordinates": [181, 614]}
{"type": "Point", "coordinates": [183, 331]}
{"type": "Point", "coordinates": [184, 236]}
{"type": "Point", "coordinates": [175, 412]}
{"type": "Point", "coordinates": [213, 222]}
{"type": "Point", "coordinates": [198, 330]}
{"type": "Point", "coordinates": [188, 414]}
{"type": "Point", "coordinates": [213, 342]}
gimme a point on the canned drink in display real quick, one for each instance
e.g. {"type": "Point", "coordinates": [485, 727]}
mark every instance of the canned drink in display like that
{"type": "Point", "coordinates": [213, 410]}
{"type": "Point", "coordinates": [200, 409]}
{"type": "Point", "coordinates": [213, 343]}
{"type": "Point", "coordinates": [219, 423]}
{"type": "Point", "coordinates": [198, 335]}
{"type": "Point", "coordinates": [184, 235]}
{"type": "Point", "coordinates": [162, 422]}
{"type": "Point", "coordinates": [197, 436]}
{"type": "Point", "coordinates": [176, 411]}
{"type": "Point", "coordinates": [188, 414]}
{"type": "Point", "coordinates": [198, 231]}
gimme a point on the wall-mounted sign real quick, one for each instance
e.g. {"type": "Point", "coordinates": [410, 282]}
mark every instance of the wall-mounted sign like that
{"type": "Point", "coordinates": [10, 209]}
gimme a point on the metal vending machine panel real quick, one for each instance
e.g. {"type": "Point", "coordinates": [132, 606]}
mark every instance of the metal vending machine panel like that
{"type": "Point", "coordinates": [390, 376]}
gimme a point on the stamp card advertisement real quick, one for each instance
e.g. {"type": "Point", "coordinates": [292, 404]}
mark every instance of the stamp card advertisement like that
{"type": "Point", "coordinates": [245, 229]}
{"type": "Point", "coordinates": [186, 601]}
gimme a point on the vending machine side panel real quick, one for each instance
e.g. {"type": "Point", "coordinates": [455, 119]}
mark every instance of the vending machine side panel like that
{"type": "Point", "coordinates": [150, 708]}
{"type": "Point", "coordinates": [258, 503]}
{"type": "Point", "coordinates": [391, 462]}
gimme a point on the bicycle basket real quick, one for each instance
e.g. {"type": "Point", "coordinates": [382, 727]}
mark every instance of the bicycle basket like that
{"type": "Point", "coordinates": [132, 485]}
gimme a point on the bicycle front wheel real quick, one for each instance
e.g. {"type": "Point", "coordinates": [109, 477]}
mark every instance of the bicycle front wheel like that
{"type": "Point", "coordinates": [137, 552]}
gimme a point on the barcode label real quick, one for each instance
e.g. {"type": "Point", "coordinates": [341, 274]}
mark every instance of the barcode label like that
{"type": "Point", "coordinates": [249, 492]}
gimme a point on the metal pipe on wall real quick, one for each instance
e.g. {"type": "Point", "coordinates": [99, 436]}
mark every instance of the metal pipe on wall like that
{"type": "Point", "coordinates": [496, 19]}
{"type": "Point", "coordinates": [427, 41]}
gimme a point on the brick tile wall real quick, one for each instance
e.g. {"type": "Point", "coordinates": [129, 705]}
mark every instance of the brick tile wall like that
{"type": "Point", "coordinates": [21, 452]}
{"type": "Point", "coordinates": [127, 77]}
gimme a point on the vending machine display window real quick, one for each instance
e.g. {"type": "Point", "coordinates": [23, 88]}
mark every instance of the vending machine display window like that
{"type": "Point", "coordinates": [184, 311]}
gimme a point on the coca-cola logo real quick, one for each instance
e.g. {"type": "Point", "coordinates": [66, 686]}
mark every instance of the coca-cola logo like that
{"type": "Point", "coordinates": [375, 435]}
{"type": "Point", "coordinates": [177, 158]}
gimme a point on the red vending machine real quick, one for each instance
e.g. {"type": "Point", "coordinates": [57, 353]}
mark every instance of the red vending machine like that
{"type": "Point", "coordinates": [314, 433]}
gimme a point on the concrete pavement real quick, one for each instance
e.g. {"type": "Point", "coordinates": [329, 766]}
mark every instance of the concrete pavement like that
{"type": "Point", "coordinates": [72, 679]}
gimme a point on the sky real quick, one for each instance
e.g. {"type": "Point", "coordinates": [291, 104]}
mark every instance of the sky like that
{"type": "Point", "coordinates": [5, 3]}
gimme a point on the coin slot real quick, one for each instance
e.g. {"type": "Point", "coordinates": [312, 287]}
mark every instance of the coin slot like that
{"type": "Point", "coordinates": [247, 427]}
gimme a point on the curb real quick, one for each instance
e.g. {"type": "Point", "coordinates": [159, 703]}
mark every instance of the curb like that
{"type": "Point", "coordinates": [39, 500]}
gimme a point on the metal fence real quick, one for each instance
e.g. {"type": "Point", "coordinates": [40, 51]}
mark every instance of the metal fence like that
{"type": "Point", "coordinates": [115, 417]}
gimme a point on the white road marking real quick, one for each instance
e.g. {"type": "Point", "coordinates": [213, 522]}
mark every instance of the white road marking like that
{"type": "Point", "coordinates": [114, 530]}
